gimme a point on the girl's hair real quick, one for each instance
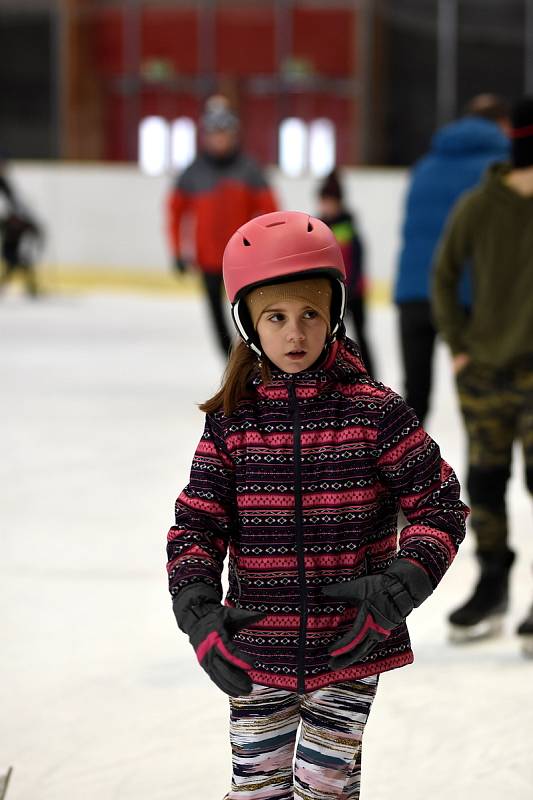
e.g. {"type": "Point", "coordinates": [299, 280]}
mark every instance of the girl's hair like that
{"type": "Point", "coordinates": [242, 366]}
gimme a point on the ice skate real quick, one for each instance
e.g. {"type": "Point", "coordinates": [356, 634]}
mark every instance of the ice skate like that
{"type": "Point", "coordinates": [488, 628]}
{"type": "Point", "coordinates": [482, 616]}
{"type": "Point", "coordinates": [525, 631]}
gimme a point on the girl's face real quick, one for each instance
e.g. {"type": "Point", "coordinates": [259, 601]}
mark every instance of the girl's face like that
{"type": "Point", "coordinates": [292, 334]}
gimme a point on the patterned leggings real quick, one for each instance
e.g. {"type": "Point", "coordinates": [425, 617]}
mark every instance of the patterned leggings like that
{"type": "Point", "coordinates": [327, 762]}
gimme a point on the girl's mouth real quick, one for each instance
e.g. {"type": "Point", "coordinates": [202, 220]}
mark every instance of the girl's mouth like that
{"type": "Point", "coordinates": [295, 355]}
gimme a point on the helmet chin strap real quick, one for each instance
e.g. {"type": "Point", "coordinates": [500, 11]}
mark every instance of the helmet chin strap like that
{"type": "Point", "coordinates": [242, 330]}
{"type": "Point", "coordinates": [342, 309]}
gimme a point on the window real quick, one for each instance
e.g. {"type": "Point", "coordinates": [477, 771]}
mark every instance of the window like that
{"type": "Point", "coordinates": [293, 146]}
{"type": "Point", "coordinates": [307, 148]}
{"type": "Point", "coordinates": [153, 145]}
{"type": "Point", "coordinates": [164, 145]}
{"type": "Point", "coordinates": [322, 153]}
{"type": "Point", "coordinates": [182, 143]}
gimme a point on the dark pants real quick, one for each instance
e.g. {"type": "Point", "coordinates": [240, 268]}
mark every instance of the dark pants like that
{"type": "Point", "coordinates": [356, 309]}
{"type": "Point", "coordinates": [417, 339]}
{"type": "Point", "coordinates": [497, 406]}
{"type": "Point", "coordinates": [213, 283]}
{"type": "Point", "coordinates": [26, 270]}
{"type": "Point", "coordinates": [19, 237]}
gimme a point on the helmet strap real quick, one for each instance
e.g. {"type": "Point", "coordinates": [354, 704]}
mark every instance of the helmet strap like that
{"type": "Point", "coordinates": [339, 327]}
{"type": "Point", "coordinates": [241, 328]}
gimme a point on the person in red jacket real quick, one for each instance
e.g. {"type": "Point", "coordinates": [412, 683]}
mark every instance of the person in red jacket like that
{"type": "Point", "coordinates": [220, 190]}
{"type": "Point", "coordinates": [299, 477]}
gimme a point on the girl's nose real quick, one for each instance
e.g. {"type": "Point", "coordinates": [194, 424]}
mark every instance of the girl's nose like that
{"type": "Point", "coordinates": [295, 332]}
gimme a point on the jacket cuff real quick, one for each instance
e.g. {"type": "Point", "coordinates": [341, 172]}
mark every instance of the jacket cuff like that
{"type": "Point", "coordinates": [189, 604]}
{"type": "Point", "coordinates": [413, 578]}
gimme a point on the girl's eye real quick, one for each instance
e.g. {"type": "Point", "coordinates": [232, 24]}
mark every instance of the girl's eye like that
{"type": "Point", "coordinates": [275, 317]}
{"type": "Point", "coordinates": [310, 314]}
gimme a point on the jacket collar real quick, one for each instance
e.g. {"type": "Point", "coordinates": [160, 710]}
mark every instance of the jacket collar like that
{"type": "Point", "coordinates": [343, 364]}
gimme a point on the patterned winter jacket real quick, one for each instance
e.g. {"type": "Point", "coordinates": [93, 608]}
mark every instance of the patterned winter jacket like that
{"type": "Point", "coordinates": [302, 486]}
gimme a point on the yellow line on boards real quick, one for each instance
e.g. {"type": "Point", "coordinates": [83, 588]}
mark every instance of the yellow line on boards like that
{"type": "Point", "coordinates": [88, 279]}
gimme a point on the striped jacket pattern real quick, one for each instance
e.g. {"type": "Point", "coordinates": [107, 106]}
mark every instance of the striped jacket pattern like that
{"type": "Point", "coordinates": [300, 488]}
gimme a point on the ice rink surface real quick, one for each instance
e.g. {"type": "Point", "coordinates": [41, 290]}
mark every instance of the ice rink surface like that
{"type": "Point", "coordinates": [100, 694]}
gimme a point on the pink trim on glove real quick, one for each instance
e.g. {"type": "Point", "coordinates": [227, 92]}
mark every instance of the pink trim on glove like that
{"type": "Point", "coordinates": [214, 640]}
{"type": "Point", "coordinates": [368, 625]}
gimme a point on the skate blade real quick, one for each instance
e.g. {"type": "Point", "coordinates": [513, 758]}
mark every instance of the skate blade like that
{"type": "Point", "coordinates": [527, 645]}
{"type": "Point", "coordinates": [488, 628]}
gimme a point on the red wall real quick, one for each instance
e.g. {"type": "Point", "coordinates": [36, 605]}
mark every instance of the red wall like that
{"type": "Point", "coordinates": [325, 37]}
{"type": "Point", "coordinates": [245, 41]}
{"type": "Point", "coordinates": [245, 46]}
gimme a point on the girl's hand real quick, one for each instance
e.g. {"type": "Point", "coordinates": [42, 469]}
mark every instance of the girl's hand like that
{"type": "Point", "coordinates": [211, 627]}
{"type": "Point", "coordinates": [223, 662]}
{"type": "Point", "coordinates": [384, 601]}
{"type": "Point", "coordinates": [374, 621]}
{"type": "Point", "coordinates": [459, 362]}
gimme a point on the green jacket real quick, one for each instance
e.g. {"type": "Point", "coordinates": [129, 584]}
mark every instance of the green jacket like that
{"type": "Point", "coordinates": [491, 229]}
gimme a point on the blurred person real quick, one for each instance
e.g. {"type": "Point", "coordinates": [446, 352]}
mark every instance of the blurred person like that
{"type": "Point", "coordinates": [20, 236]}
{"type": "Point", "coordinates": [220, 190]}
{"type": "Point", "coordinates": [460, 152]}
{"type": "Point", "coordinates": [333, 212]}
{"type": "Point", "coordinates": [491, 228]}
{"type": "Point", "coordinates": [299, 476]}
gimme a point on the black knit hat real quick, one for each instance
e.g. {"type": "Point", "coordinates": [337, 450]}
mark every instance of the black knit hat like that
{"type": "Point", "coordinates": [331, 186]}
{"type": "Point", "coordinates": [522, 133]}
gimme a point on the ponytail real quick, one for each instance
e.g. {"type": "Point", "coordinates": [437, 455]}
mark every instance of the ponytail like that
{"type": "Point", "coordinates": [236, 382]}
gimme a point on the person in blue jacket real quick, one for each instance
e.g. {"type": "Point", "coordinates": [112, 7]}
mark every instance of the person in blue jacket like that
{"type": "Point", "coordinates": [459, 154]}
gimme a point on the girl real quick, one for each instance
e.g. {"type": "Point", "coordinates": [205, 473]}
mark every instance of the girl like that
{"type": "Point", "coordinates": [300, 473]}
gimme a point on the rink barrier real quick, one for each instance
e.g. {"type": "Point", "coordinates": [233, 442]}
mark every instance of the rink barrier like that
{"type": "Point", "coordinates": [112, 217]}
{"type": "Point", "coordinates": [53, 278]}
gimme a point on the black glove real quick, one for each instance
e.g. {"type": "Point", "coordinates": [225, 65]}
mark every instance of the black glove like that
{"type": "Point", "coordinates": [210, 627]}
{"type": "Point", "coordinates": [180, 265]}
{"type": "Point", "coordinates": [384, 602]}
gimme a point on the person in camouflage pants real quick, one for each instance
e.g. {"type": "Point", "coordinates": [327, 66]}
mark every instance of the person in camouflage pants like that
{"type": "Point", "coordinates": [491, 229]}
{"type": "Point", "coordinates": [497, 407]}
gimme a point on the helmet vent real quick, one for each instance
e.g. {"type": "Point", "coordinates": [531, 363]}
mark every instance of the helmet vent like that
{"type": "Point", "coordinates": [273, 224]}
{"type": "Point", "coordinates": [309, 227]}
{"type": "Point", "coordinates": [245, 242]}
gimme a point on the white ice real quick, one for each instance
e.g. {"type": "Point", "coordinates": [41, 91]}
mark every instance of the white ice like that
{"type": "Point", "coordinates": [100, 694]}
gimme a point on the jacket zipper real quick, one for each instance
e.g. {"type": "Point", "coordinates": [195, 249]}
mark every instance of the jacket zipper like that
{"type": "Point", "coordinates": [298, 519]}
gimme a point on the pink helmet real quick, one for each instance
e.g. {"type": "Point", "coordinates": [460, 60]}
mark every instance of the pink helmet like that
{"type": "Point", "coordinates": [284, 245]}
